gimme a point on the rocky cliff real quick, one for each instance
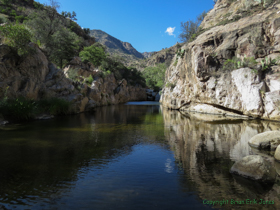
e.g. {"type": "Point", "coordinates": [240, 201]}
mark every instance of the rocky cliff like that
{"type": "Point", "coordinates": [199, 79]}
{"type": "Point", "coordinates": [36, 78]}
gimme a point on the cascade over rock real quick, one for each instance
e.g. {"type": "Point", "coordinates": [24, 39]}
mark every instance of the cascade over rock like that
{"type": "Point", "coordinates": [198, 77]}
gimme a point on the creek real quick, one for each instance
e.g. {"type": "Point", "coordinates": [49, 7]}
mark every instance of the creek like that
{"type": "Point", "coordinates": [132, 156]}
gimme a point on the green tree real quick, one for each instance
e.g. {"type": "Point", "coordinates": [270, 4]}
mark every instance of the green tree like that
{"type": "Point", "coordinates": [43, 24]}
{"type": "Point", "coordinates": [65, 45]}
{"type": "Point", "coordinates": [87, 30]}
{"type": "Point", "coordinates": [190, 28]}
{"type": "Point", "coordinates": [155, 76]}
{"type": "Point", "coordinates": [17, 36]}
{"type": "Point", "coordinates": [93, 54]}
{"type": "Point", "coordinates": [69, 15]}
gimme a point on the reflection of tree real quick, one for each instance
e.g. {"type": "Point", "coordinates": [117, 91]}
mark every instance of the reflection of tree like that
{"type": "Point", "coordinates": [206, 147]}
{"type": "Point", "coordinates": [45, 158]}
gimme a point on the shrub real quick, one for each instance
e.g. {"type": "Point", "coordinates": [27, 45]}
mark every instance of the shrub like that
{"type": "Point", "coordinates": [18, 109]}
{"type": "Point", "coordinates": [3, 19]}
{"type": "Point", "coordinates": [268, 62]}
{"type": "Point", "coordinates": [54, 106]}
{"type": "Point", "coordinates": [25, 109]}
{"type": "Point", "coordinates": [236, 63]}
{"type": "Point", "coordinates": [89, 80]}
{"type": "Point", "coordinates": [93, 54]}
{"type": "Point", "coordinates": [65, 45]}
{"type": "Point", "coordinates": [72, 73]}
{"type": "Point", "coordinates": [190, 28]}
{"type": "Point", "coordinates": [16, 36]}
{"type": "Point", "coordinates": [87, 30]}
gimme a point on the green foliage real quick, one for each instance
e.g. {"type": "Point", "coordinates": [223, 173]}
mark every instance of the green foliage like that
{"type": "Point", "coordinates": [93, 54]}
{"type": "Point", "coordinates": [59, 43]}
{"type": "Point", "coordinates": [190, 28]}
{"type": "Point", "coordinates": [54, 106]}
{"type": "Point", "coordinates": [65, 45]}
{"type": "Point", "coordinates": [18, 109]}
{"type": "Point", "coordinates": [16, 36]}
{"type": "Point", "coordinates": [155, 76]}
{"type": "Point", "coordinates": [6, 2]}
{"type": "Point", "coordinates": [3, 19]}
{"type": "Point", "coordinates": [180, 52]}
{"type": "Point", "coordinates": [89, 80]}
{"type": "Point", "coordinates": [69, 15]}
{"type": "Point", "coordinates": [268, 62]}
{"type": "Point", "coordinates": [21, 108]}
{"type": "Point", "coordinates": [72, 73]}
{"type": "Point", "coordinates": [43, 25]}
{"type": "Point", "coordinates": [87, 30]}
{"type": "Point", "coordinates": [38, 5]}
{"type": "Point", "coordinates": [170, 85]}
{"type": "Point", "coordinates": [236, 63]}
{"type": "Point", "coordinates": [20, 18]}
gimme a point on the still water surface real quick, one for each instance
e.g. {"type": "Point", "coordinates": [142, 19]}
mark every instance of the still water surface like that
{"type": "Point", "coordinates": [133, 156]}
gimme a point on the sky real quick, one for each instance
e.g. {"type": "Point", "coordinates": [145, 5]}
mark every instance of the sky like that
{"type": "Point", "coordinates": [149, 25]}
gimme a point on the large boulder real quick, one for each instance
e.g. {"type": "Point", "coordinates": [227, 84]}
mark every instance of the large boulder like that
{"type": "Point", "coordinates": [254, 167]}
{"type": "Point", "coordinates": [268, 140]}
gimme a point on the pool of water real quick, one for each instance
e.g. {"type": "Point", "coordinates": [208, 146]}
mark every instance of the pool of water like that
{"type": "Point", "coordinates": [128, 157]}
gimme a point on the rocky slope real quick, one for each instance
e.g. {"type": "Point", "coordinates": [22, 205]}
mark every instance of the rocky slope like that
{"type": "Point", "coordinates": [197, 80]}
{"type": "Point", "coordinates": [36, 78]}
{"type": "Point", "coordinates": [115, 45]}
{"type": "Point", "coordinates": [147, 54]}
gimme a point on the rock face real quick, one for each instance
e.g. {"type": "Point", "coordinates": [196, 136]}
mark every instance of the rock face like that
{"type": "Point", "coordinates": [268, 140]}
{"type": "Point", "coordinates": [197, 75]}
{"type": "Point", "coordinates": [35, 77]}
{"type": "Point", "coordinates": [254, 167]}
{"type": "Point", "coordinates": [277, 153]}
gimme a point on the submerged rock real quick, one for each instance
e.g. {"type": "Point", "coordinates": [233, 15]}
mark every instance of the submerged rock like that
{"type": "Point", "coordinates": [268, 140]}
{"type": "Point", "coordinates": [254, 167]}
{"type": "Point", "coordinates": [44, 117]}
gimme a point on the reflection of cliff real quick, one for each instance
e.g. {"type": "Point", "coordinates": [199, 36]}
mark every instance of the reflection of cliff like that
{"type": "Point", "coordinates": [206, 147]}
{"type": "Point", "coordinates": [44, 159]}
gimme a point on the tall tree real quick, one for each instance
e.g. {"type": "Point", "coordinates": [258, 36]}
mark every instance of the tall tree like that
{"type": "Point", "coordinates": [65, 46]}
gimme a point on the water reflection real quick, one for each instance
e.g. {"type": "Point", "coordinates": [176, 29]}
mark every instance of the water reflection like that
{"type": "Point", "coordinates": [115, 158]}
{"type": "Point", "coordinates": [122, 157]}
{"type": "Point", "coordinates": [206, 146]}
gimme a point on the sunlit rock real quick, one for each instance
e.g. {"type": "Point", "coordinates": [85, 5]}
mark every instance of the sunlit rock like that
{"type": "Point", "coordinates": [268, 140]}
{"type": "Point", "coordinates": [254, 167]}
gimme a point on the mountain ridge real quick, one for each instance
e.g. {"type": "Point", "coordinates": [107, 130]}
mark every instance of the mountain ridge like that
{"type": "Point", "coordinates": [115, 45]}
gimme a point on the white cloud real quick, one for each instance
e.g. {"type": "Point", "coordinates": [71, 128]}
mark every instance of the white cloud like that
{"type": "Point", "coordinates": [170, 31]}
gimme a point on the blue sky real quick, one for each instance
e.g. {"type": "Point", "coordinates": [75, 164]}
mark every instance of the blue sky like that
{"type": "Point", "coordinates": [143, 23]}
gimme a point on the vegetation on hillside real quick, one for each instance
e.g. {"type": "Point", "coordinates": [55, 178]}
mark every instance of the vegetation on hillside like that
{"type": "Point", "coordinates": [59, 36]}
{"type": "Point", "coordinates": [155, 76]}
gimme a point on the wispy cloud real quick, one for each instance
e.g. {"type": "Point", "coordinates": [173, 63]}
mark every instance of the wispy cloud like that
{"type": "Point", "coordinates": [170, 31]}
